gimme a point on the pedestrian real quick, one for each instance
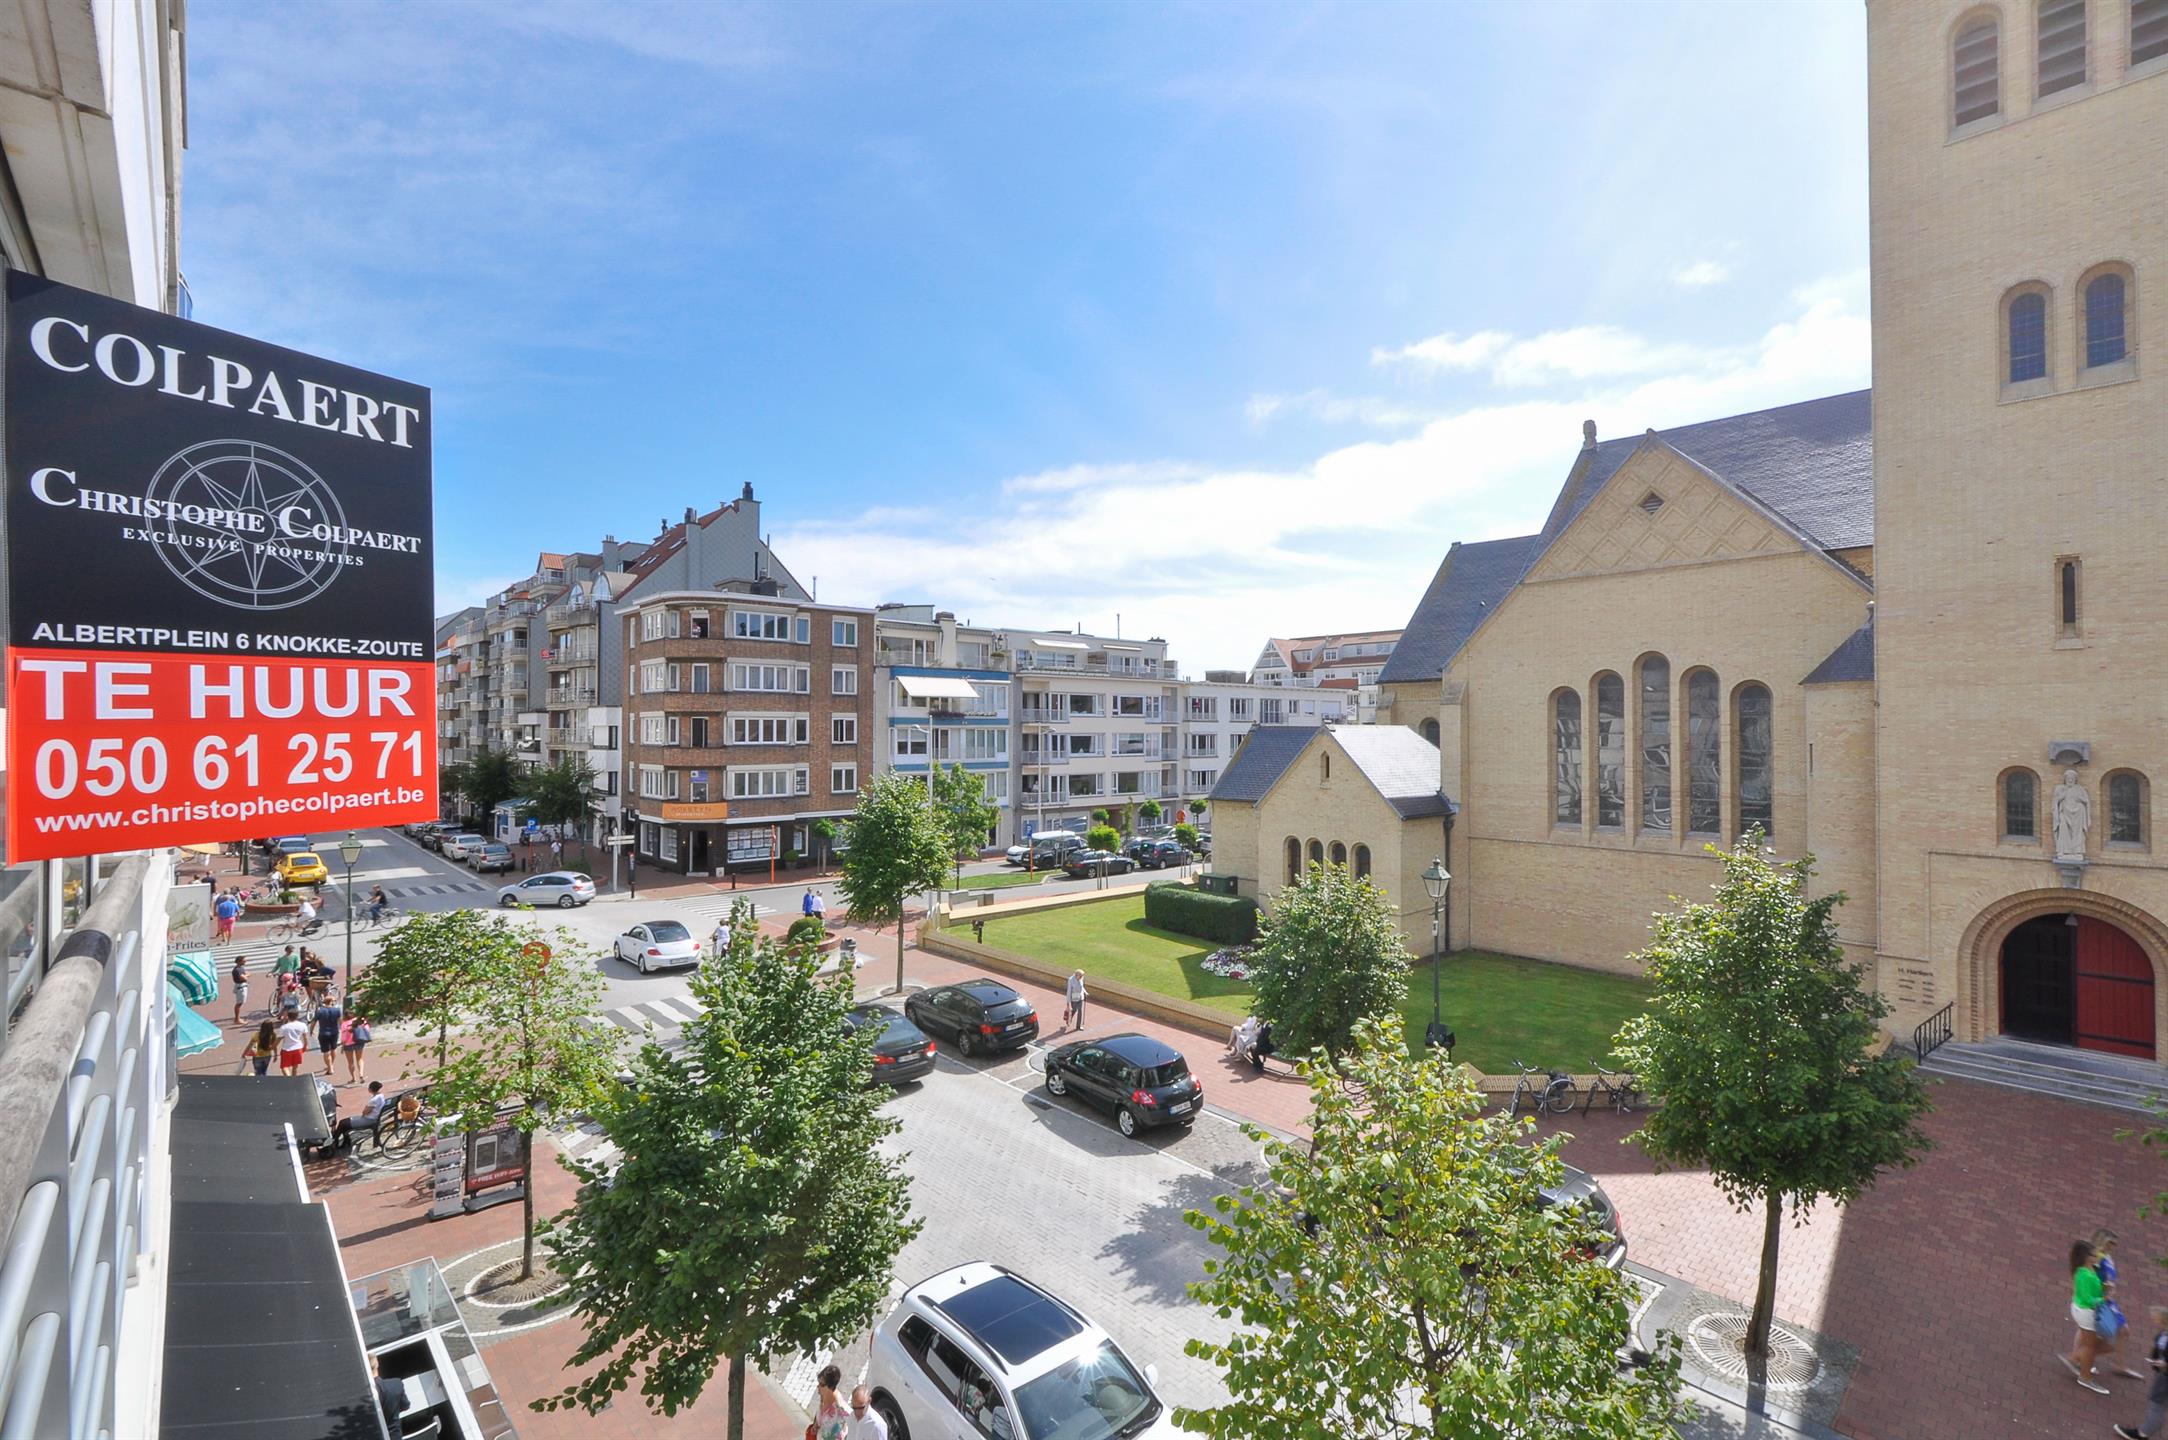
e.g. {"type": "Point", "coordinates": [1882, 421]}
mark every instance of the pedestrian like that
{"type": "Point", "coordinates": [1072, 1013]}
{"type": "Point", "coordinates": [2156, 1395]}
{"type": "Point", "coordinates": [1261, 1047]}
{"type": "Point", "coordinates": [820, 906]}
{"type": "Point", "coordinates": [805, 906]}
{"type": "Point", "coordinates": [721, 938]}
{"type": "Point", "coordinates": [354, 1038]}
{"type": "Point", "coordinates": [227, 910]}
{"type": "Point", "coordinates": [866, 1422]}
{"type": "Point", "coordinates": [2085, 1297]}
{"type": "Point", "coordinates": [2110, 1314]}
{"type": "Point", "coordinates": [1243, 1037]}
{"type": "Point", "coordinates": [293, 1043]}
{"type": "Point", "coordinates": [831, 1417]}
{"type": "Point", "coordinates": [239, 976]}
{"type": "Point", "coordinates": [261, 1047]}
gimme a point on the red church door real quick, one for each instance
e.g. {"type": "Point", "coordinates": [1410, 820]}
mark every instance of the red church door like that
{"type": "Point", "coordinates": [2115, 991]}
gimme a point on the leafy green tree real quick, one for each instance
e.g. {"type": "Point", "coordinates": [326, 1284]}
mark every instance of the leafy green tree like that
{"type": "Point", "coordinates": [429, 971]}
{"type": "Point", "coordinates": [1100, 817]}
{"type": "Point", "coordinates": [1328, 956]}
{"type": "Point", "coordinates": [897, 849]}
{"type": "Point", "coordinates": [960, 804]}
{"type": "Point", "coordinates": [492, 777]}
{"type": "Point", "coordinates": [824, 832]}
{"type": "Point", "coordinates": [752, 1211]}
{"type": "Point", "coordinates": [1149, 812]}
{"type": "Point", "coordinates": [1197, 804]}
{"type": "Point", "coordinates": [529, 1041]}
{"type": "Point", "coordinates": [563, 795]}
{"type": "Point", "coordinates": [452, 782]}
{"type": "Point", "coordinates": [1760, 1043]}
{"type": "Point", "coordinates": [1400, 1276]}
{"type": "Point", "coordinates": [1185, 835]}
{"type": "Point", "coordinates": [1103, 837]}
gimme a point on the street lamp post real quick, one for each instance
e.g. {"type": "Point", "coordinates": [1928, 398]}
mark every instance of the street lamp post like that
{"type": "Point", "coordinates": [350, 851]}
{"type": "Point", "coordinates": [1439, 1036]}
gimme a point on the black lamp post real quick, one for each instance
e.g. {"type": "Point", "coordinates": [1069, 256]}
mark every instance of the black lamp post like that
{"type": "Point", "coordinates": [1439, 1036]}
{"type": "Point", "coordinates": [350, 851]}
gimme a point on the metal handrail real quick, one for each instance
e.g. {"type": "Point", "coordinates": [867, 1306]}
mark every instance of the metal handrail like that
{"type": "Point", "coordinates": [1934, 1032]}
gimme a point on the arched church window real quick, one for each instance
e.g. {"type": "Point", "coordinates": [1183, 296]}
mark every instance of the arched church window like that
{"type": "Point", "coordinates": [2126, 807]}
{"type": "Point", "coordinates": [2107, 337]}
{"type": "Point", "coordinates": [1362, 861]}
{"type": "Point", "coordinates": [1704, 757]}
{"type": "Point", "coordinates": [1429, 731]}
{"type": "Point", "coordinates": [1755, 744]}
{"type": "Point", "coordinates": [1656, 744]}
{"type": "Point", "coordinates": [2061, 52]}
{"type": "Point", "coordinates": [1339, 853]}
{"type": "Point", "coordinates": [1317, 852]}
{"type": "Point", "coordinates": [1976, 71]}
{"type": "Point", "coordinates": [2025, 336]}
{"type": "Point", "coordinates": [1566, 758]}
{"type": "Point", "coordinates": [1610, 752]}
{"type": "Point", "coordinates": [1294, 859]}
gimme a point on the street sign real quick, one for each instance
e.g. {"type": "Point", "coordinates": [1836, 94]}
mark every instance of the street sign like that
{"type": "Point", "coordinates": [219, 583]}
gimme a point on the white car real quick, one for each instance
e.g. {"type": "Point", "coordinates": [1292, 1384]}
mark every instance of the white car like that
{"type": "Point", "coordinates": [457, 847]}
{"type": "Point", "coordinates": [658, 945]}
{"type": "Point", "coordinates": [981, 1350]}
{"type": "Point", "coordinates": [562, 888]}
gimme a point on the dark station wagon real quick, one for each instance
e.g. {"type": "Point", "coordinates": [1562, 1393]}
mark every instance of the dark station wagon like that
{"type": "Point", "coordinates": [901, 1051]}
{"type": "Point", "coordinates": [980, 1016]}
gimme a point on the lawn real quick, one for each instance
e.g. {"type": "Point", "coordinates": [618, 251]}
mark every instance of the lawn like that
{"type": "Point", "coordinates": [1503, 1009]}
{"type": "Point", "coordinates": [1002, 879]}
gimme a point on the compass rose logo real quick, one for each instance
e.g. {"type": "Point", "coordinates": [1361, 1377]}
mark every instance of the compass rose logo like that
{"type": "Point", "coordinates": [219, 530]}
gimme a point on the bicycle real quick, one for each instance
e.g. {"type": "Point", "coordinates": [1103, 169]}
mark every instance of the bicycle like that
{"type": "Point", "coordinates": [1554, 1096]}
{"type": "Point", "coordinates": [1616, 1085]}
{"type": "Point", "coordinates": [292, 930]}
{"type": "Point", "coordinates": [371, 918]}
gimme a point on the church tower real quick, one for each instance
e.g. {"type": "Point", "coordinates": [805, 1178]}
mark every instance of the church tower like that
{"type": "Point", "coordinates": [2019, 181]}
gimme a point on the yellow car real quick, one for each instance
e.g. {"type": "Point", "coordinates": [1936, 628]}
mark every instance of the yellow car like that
{"type": "Point", "coordinates": [302, 868]}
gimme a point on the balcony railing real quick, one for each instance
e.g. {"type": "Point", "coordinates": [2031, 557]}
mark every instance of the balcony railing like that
{"type": "Point", "coordinates": [1063, 665]}
{"type": "Point", "coordinates": [565, 696]}
{"type": "Point", "coordinates": [1032, 715]}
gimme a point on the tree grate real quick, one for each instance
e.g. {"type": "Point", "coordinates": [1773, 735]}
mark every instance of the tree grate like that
{"type": "Point", "coordinates": [1715, 1342]}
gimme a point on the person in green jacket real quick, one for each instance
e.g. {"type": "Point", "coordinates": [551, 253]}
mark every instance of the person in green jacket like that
{"type": "Point", "coordinates": [2086, 1293]}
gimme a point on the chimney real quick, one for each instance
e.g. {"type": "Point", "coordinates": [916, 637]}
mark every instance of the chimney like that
{"type": "Point", "coordinates": [747, 492]}
{"type": "Point", "coordinates": [1588, 434]}
{"type": "Point", "coordinates": [691, 514]}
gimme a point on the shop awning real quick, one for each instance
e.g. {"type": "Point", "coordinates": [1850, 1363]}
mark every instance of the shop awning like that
{"type": "Point", "coordinates": [937, 687]}
{"type": "Point", "coordinates": [1056, 645]}
{"type": "Point", "coordinates": [195, 1033]}
{"type": "Point", "coordinates": [195, 974]}
{"type": "Point", "coordinates": [210, 851]}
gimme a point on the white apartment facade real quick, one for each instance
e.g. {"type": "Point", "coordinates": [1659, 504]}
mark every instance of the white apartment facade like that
{"type": "Point", "coordinates": [1098, 725]}
{"type": "Point", "coordinates": [944, 695]}
{"type": "Point", "coordinates": [1219, 710]}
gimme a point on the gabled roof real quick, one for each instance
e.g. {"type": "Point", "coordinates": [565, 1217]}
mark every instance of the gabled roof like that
{"type": "Point", "coordinates": [1267, 751]}
{"type": "Point", "coordinates": [1469, 584]}
{"type": "Point", "coordinates": [1853, 660]}
{"type": "Point", "coordinates": [1400, 764]}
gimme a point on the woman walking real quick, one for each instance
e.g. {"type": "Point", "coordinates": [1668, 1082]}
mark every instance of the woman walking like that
{"type": "Point", "coordinates": [262, 1047]}
{"type": "Point", "coordinates": [2085, 1297]}
{"type": "Point", "coordinates": [354, 1040]}
{"type": "Point", "coordinates": [1072, 1014]}
{"type": "Point", "coordinates": [831, 1417]}
{"type": "Point", "coordinates": [239, 976]}
{"type": "Point", "coordinates": [330, 1018]}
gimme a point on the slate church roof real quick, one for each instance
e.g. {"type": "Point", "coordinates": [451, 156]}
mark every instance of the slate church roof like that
{"type": "Point", "coordinates": [1853, 660]}
{"type": "Point", "coordinates": [1398, 763]}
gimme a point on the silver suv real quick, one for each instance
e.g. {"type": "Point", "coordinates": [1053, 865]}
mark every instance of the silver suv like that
{"type": "Point", "coordinates": [979, 1349]}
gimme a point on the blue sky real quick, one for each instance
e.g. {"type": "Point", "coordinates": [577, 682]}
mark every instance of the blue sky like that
{"type": "Point", "coordinates": [1223, 318]}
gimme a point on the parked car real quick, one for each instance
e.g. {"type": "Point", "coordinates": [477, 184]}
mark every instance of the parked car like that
{"type": "Point", "coordinates": [1143, 1082]}
{"type": "Point", "coordinates": [658, 945]}
{"type": "Point", "coordinates": [979, 1350]}
{"type": "Point", "coordinates": [413, 828]}
{"type": "Point", "coordinates": [563, 888]}
{"type": "Point", "coordinates": [901, 1051]}
{"type": "Point", "coordinates": [1578, 1188]}
{"type": "Point", "coordinates": [456, 846]}
{"type": "Point", "coordinates": [287, 844]}
{"type": "Point", "coordinates": [980, 1016]}
{"type": "Point", "coordinates": [1153, 832]}
{"type": "Point", "coordinates": [491, 855]}
{"type": "Point", "coordinates": [1156, 854]}
{"type": "Point", "coordinates": [1096, 862]}
{"type": "Point", "coordinates": [1045, 850]}
{"type": "Point", "coordinates": [302, 867]}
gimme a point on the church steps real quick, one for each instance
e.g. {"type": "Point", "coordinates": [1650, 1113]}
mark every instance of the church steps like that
{"type": "Point", "coordinates": [2082, 1076]}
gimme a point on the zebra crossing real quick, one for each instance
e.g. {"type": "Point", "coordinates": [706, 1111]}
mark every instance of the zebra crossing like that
{"type": "Point", "coordinates": [456, 887]}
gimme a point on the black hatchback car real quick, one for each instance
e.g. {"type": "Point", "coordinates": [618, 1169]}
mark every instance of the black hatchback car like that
{"type": "Point", "coordinates": [1157, 854]}
{"type": "Point", "coordinates": [1145, 1082]}
{"type": "Point", "coordinates": [901, 1051]}
{"type": "Point", "coordinates": [980, 1016]}
{"type": "Point", "coordinates": [1087, 863]}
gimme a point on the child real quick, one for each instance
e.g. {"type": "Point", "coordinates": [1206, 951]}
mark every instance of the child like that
{"type": "Point", "coordinates": [2156, 1395]}
{"type": "Point", "coordinates": [2113, 1323]}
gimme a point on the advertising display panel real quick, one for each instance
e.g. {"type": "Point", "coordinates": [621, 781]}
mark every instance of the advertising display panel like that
{"type": "Point", "coordinates": [220, 593]}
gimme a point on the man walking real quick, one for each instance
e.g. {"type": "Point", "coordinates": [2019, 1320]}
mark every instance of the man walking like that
{"type": "Point", "coordinates": [820, 906]}
{"type": "Point", "coordinates": [2156, 1395]}
{"type": "Point", "coordinates": [866, 1422]}
{"type": "Point", "coordinates": [1072, 1015]}
{"type": "Point", "coordinates": [721, 938]}
{"type": "Point", "coordinates": [228, 910]}
{"type": "Point", "coordinates": [805, 906]}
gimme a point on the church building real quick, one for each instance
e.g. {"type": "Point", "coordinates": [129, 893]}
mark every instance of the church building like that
{"type": "Point", "coordinates": [1920, 632]}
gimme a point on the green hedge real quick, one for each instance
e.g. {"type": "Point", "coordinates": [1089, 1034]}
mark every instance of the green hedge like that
{"type": "Point", "coordinates": [806, 930]}
{"type": "Point", "coordinates": [1225, 919]}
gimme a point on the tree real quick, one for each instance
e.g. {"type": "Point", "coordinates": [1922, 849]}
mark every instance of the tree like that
{"type": "Point", "coordinates": [1185, 835]}
{"type": "Point", "coordinates": [960, 804]}
{"type": "Point", "coordinates": [1149, 812]}
{"type": "Point", "coordinates": [1760, 1044]}
{"type": "Point", "coordinates": [563, 795]}
{"type": "Point", "coordinates": [1197, 804]}
{"type": "Point", "coordinates": [428, 971]}
{"type": "Point", "coordinates": [1100, 817]}
{"type": "Point", "coordinates": [1103, 837]}
{"type": "Point", "coordinates": [452, 782]}
{"type": "Point", "coordinates": [530, 1043]}
{"type": "Point", "coordinates": [1401, 1277]}
{"type": "Point", "coordinates": [824, 831]}
{"type": "Point", "coordinates": [492, 777]}
{"type": "Point", "coordinates": [897, 849]}
{"type": "Point", "coordinates": [1328, 955]}
{"type": "Point", "coordinates": [752, 1211]}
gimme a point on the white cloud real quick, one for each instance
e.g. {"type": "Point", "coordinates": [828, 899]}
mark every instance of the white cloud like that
{"type": "Point", "coordinates": [1584, 352]}
{"type": "Point", "coordinates": [1217, 558]}
{"type": "Point", "coordinates": [1335, 409]}
{"type": "Point", "coordinates": [1700, 273]}
{"type": "Point", "coordinates": [1447, 351]}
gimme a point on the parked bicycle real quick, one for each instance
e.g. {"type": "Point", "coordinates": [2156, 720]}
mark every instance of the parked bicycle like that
{"type": "Point", "coordinates": [1616, 1086]}
{"type": "Point", "coordinates": [1548, 1092]}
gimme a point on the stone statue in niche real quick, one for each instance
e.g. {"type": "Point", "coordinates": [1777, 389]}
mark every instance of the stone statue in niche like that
{"type": "Point", "coordinates": [2073, 813]}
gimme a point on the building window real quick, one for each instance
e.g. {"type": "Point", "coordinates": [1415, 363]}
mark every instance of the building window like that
{"type": "Point", "coordinates": [843, 780]}
{"type": "Point", "coordinates": [2026, 336]}
{"type": "Point", "coordinates": [2061, 46]}
{"type": "Point", "coordinates": [843, 730]}
{"type": "Point", "coordinates": [669, 842]}
{"type": "Point", "coordinates": [1976, 71]}
{"type": "Point", "coordinates": [1755, 743]}
{"type": "Point", "coordinates": [1429, 728]}
{"type": "Point", "coordinates": [1566, 758]}
{"type": "Point", "coordinates": [1656, 744]}
{"type": "Point", "coordinates": [802, 630]}
{"type": "Point", "coordinates": [1317, 852]}
{"type": "Point", "coordinates": [1704, 757]}
{"type": "Point", "coordinates": [2126, 807]}
{"type": "Point", "coordinates": [843, 632]}
{"type": "Point", "coordinates": [786, 679]}
{"type": "Point", "coordinates": [2148, 30]}
{"type": "Point", "coordinates": [2107, 333]}
{"type": "Point", "coordinates": [759, 625]}
{"type": "Point", "coordinates": [2067, 576]}
{"type": "Point", "coordinates": [843, 680]}
{"type": "Point", "coordinates": [1324, 766]}
{"type": "Point", "coordinates": [1651, 503]}
{"type": "Point", "coordinates": [1610, 752]}
{"type": "Point", "coordinates": [1339, 851]}
{"type": "Point", "coordinates": [767, 783]}
{"type": "Point", "coordinates": [770, 730]}
{"type": "Point", "coordinates": [1362, 861]}
{"type": "Point", "coordinates": [1294, 859]}
{"type": "Point", "coordinates": [2020, 805]}
{"type": "Point", "coordinates": [696, 624]}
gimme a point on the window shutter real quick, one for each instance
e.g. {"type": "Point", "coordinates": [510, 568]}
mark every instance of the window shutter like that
{"type": "Point", "coordinates": [1977, 72]}
{"type": "Point", "coordinates": [2148, 30]}
{"type": "Point", "coordinates": [2062, 45]}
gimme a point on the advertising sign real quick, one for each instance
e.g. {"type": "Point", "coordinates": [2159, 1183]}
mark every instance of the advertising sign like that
{"type": "Point", "coordinates": [219, 584]}
{"type": "Point", "coordinates": [747, 847]}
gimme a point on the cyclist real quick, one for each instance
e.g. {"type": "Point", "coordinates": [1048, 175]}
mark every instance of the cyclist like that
{"type": "Point", "coordinates": [305, 916]}
{"type": "Point", "coordinates": [379, 902]}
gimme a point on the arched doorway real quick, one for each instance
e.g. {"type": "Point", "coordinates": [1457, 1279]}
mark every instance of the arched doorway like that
{"type": "Point", "coordinates": [2074, 979]}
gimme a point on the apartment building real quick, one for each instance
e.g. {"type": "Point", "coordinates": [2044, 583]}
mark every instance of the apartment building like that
{"type": "Point", "coordinates": [747, 717]}
{"type": "Point", "coordinates": [942, 695]}
{"type": "Point", "coordinates": [1098, 724]}
{"type": "Point", "coordinates": [1350, 662]}
{"type": "Point", "coordinates": [1218, 711]}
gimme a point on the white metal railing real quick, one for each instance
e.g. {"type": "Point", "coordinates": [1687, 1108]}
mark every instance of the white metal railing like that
{"type": "Point", "coordinates": [79, 1076]}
